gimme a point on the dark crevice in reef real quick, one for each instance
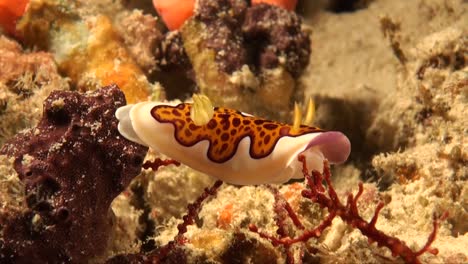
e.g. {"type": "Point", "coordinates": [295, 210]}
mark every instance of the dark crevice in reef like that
{"type": "Point", "coordinates": [383, 182]}
{"type": "Point", "coordinates": [149, 226]}
{"type": "Point", "coordinates": [176, 71]}
{"type": "Point", "coordinates": [146, 6]}
{"type": "Point", "coordinates": [358, 123]}
{"type": "Point", "coordinates": [353, 119]}
{"type": "Point", "coordinates": [345, 6]}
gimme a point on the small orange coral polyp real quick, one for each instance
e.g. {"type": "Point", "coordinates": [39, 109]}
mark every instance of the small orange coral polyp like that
{"type": "Point", "coordinates": [293, 194]}
{"type": "Point", "coordinates": [225, 216]}
{"type": "Point", "coordinates": [174, 13]}
{"type": "Point", "coordinates": [406, 174]}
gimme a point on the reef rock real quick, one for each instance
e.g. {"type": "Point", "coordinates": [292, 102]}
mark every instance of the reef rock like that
{"type": "Point", "coordinates": [72, 165]}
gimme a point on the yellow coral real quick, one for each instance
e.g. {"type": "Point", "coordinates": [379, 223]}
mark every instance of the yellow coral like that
{"type": "Point", "coordinates": [88, 50]}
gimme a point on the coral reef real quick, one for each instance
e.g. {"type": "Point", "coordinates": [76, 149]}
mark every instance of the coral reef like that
{"type": "Point", "coordinates": [188, 219]}
{"type": "Point", "coordinates": [277, 43]}
{"type": "Point", "coordinates": [26, 78]}
{"type": "Point", "coordinates": [87, 49]}
{"type": "Point", "coordinates": [317, 192]}
{"type": "Point", "coordinates": [126, 231]}
{"type": "Point", "coordinates": [349, 213]}
{"type": "Point", "coordinates": [419, 123]}
{"type": "Point", "coordinates": [392, 75]}
{"type": "Point", "coordinates": [386, 123]}
{"type": "Point", "coordinates": [253, 52]}
{"type": "Point", "coordinates": [72, 164]}
{"type": "Point", "coordinates": [11, 190]}
{"type": "Point", "coordinates": [158, 200]}
{"type": "Point", "coordinates": [140, 37]}
{"type": "Point", "coordinates": [175, 70]}
{"type": "Point", "coordinates": [431, 125]}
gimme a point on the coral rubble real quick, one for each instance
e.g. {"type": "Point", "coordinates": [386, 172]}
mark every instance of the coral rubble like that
{"type": "Point", "coordinates": [429, 115]}
{"type": "Point", "coordinates": [140, 36]}
{"type": "Point", "coordinates": [26, 79]}
{"type": "Point", "coordinates": [72, 165]}
{"type": "Point", "coordinates": [240, 52]}
{"type": "Point", "coordinates": [87, 49]}
{"type": "Point", "coordinates": [349, 213]}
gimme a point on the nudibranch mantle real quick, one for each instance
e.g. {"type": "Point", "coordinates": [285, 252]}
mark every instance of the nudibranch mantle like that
{"type": "Point", "coordinates": [233, 146]}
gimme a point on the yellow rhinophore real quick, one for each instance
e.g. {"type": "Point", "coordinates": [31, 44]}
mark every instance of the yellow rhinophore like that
{"type": "Point", "coordinates": [202, 110]}
{"type": "Point", "coordinates": [310, 115]}
{"type": "Point", "coordinates": [297, 117]}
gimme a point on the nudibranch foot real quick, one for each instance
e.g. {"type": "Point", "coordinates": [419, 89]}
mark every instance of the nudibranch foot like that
{"type": "Point", "coordinates": [232, 146]}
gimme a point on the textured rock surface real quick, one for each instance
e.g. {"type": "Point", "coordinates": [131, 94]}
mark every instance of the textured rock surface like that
{"type": "Point", "coordinates": [247, 57]}
{"type": "Point", "coordinates": [72, 165]}
{"type": "Point", "coordinates": [26, 79]}
{"type": "Point", "coordinates": [278, 38]}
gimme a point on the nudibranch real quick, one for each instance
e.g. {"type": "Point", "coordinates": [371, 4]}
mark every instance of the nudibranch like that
{"type": "Point", "coordinates": [232, 146]}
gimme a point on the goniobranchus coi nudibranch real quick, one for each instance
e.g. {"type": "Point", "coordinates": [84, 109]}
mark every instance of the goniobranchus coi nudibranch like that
{"type": "Point", "coordinates": [232, 146]}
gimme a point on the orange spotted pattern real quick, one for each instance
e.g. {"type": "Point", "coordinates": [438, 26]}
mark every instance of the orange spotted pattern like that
{"type": "Point", "coordinates": [225, 130]}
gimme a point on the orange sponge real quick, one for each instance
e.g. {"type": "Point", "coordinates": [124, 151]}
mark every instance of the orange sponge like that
{"type": "Point", "coordinates": [174, 13]}
{"type": "Point", "coordinates": [10, 12]}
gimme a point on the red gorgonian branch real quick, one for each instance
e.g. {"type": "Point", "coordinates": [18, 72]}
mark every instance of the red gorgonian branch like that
{"type": "Point", "coordinates": [188, 219]}
{"type": "Point", "coordinates": [282, 210]}
{"type": "Point", "coordinates": [194, 208]}
{"type": "Point", "coordinates": [156, 163]}
{"type": "Point", "coordinates": [326, 197]}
